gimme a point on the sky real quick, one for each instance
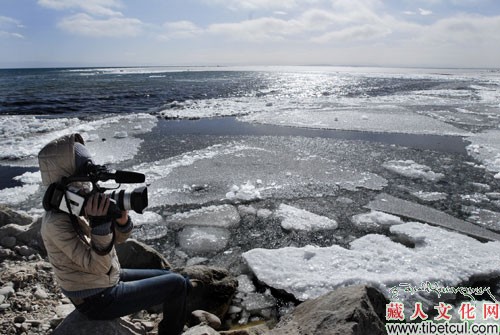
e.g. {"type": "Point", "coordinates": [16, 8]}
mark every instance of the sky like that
{"type": "Point", "coordinates": [396, 33]}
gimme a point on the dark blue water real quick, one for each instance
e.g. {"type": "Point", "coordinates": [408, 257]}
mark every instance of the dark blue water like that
{"type": "Point", "coordinates": [83, 92]}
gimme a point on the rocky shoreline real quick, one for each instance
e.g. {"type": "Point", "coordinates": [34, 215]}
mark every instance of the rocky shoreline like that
{"type": "Point", "coordinates": [31, 302]}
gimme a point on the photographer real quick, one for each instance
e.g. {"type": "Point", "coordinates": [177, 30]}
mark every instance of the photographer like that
{"type": "Point", "coordinates": [81, 250]}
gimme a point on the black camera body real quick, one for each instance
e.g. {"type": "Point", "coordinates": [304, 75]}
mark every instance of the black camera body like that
{"type": "Point", "coordinates": [66, 198]}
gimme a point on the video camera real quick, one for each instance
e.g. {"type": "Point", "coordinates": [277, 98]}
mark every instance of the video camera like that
{"type": "Point", "coordinates": [65, 197]}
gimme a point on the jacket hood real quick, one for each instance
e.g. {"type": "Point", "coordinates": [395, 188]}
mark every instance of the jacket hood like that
{"type": "Point", "coordinates": [57, 159]}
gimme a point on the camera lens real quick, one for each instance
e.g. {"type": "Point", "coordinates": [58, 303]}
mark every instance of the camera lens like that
{"type": "Point", "coordinates": [136, 200]}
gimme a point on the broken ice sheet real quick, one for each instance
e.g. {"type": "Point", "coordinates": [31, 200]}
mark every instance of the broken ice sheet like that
{"type": "Point", "coordinates": [298, 219]}
{"type": "Point", "coordinates": [381, 120]}
{"type": "Point", "coordinates": [269, 167]}
{"type": "Point", "coordinates": [412, 170]}
{"type": "Point", "coordinates": [439, 255]}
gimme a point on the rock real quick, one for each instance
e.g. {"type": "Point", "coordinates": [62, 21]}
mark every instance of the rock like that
{"type": "Point", "coordinates": [25, 234]}
{"type": "Point", "coordinates": [203, 317]}
{"type": "Point", "coordinates": [63, 311]}
{"type": "Point", "coordinates": [24, 250]}
{"type": "Point", "coordinates": [8, 242]}
{"type": "Point", "coordinates": [201, 330]}
{"type": "Point", "coordinates": [78, 324]}
{"type": "Point", "coordinates": [4, 307]}
{"type": "Point", "coordinates": [352, 310]}
{"type": "Point", "coordinates": [40, 293]}
{"type": "Point", "coordinates": [215, 293]}
{"type": "Point", "coordinates": [136, 255]}
{"type": "Point", "coordinates": [6, 253]}
{"type": "Point", "coordinates": [260, 329]}
{"type": "Point", "coordinates": [8, 216]}
{"type": "Point", "coordinates": [7, 291]}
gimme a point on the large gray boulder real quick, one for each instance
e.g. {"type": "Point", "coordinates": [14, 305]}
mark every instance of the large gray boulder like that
{"type": "Point", "coordinates": [78, 324]}
{"type": "Point", "coordinates": [353, 310]}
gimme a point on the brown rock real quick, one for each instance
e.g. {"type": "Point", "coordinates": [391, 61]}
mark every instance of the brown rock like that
{"type": "Point", "coordinates": [78, 324]}
{"type": "Point", "coordinates": [216, 291]}
{"type": "Point", "coordinates": [353, 310]}
{"type": "Point", "coordinates": [136, 255]}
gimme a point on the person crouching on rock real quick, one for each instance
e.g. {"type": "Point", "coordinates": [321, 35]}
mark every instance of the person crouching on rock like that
{"type": "Point", "coordinates": [82, 253]}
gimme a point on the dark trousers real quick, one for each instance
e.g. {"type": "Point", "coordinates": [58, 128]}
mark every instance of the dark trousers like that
{"type": "Point", "coordinates": [141, 289]}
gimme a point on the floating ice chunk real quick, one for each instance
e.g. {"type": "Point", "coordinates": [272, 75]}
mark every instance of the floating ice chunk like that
{"type": "Point", "coordinates": [121, 134]}
{"type": "Point", "coordinates": [430, 196]}
{"type": "Point", "coordinates": [247, 210]}
{"type": "Point", "coordinates": [22, 137]}
{"type": "Point", "coordinates": [225, 216]}
{"type": "Point", "coordinates": [486, 148]}
{"type": "Point", "coordinates": [298, 219]}
{"type": "Point", "coordinates": [486, 218]}
{"type": "Point", "coordinates": [15, 195]}
{"type": "Point", "coordinates": [148, 218]}
{"type": "Point", "coordinates": [264, 213]}
{"type": "Point", "coordinates": [444, 256]}
{"type": "Point", "coordinates": [245, 284]}
{"type": "Point", "coordinates": [245, 192]}
{"type": "Point", "coordinates": [256, 302]}
{"type": "Point", "coordinates": [389, 204]}
{"type": "Point", "coordinates": [203, 240]}
{"type": "Point", "coordinates": [413, 170]}
{"type": "Point", "coordinates": [374, 220]}
{"type": "Point", "coordinates": [397, 121]}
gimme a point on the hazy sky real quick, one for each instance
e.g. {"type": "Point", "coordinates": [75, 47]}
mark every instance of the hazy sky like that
{"type": "Point", "coordinates": [435, 33]}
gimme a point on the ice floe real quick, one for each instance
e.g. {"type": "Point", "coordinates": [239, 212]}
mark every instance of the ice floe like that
{"type": "Point", "coordinates": [110, 139]}
{"type": "Point", "coordinates": [260, 168]}
{"type": "Point", "coordinates": [203, 240]}
{"type": "Point", "coordinates": [486, 148]}
{"type": "Point", "coordinates": [375, 220]}
{"type": "Point", "coordinates": [429, 196]}
{"type": "Point", "coordinates": [223, 216]}
{"type": "Point", "coordinates": [293, 218]}
{"type": "Point", "coordinates": [31, 182]}
{"type": "Point", "coordinates": [410, 169]}
{"type": "Point", "coordinates": [355, 119]}
{"type": "Point", "coordinates": [439, 255]}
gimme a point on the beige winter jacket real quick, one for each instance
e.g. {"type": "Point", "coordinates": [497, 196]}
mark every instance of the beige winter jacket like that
{"type": "Point", "coordinates": [76, 265]}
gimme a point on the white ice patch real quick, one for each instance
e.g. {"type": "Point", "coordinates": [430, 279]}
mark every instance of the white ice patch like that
{"type": "Point", "coordinates": [203, 240]}
{"type": "Point", "coordinates": [355, 119]}
{"type": "Point", "coordinates": [429, 196]}
{"type": "Point", "coordinates": [375, 220]}
{"type": "Point", "coordinates": [258, 168]}
{"type": "Point", "coordinates": [486, 148]}
{"type": "Point", "coordinates": [22, 137]}
{"type": "Point", "coordinates": [146, 218]}
{"type": "Point", "coordinates": [245, 192]}
{"type": "Point", "coordinates": [293, 218]}
{"type": "Point", "coordinates": [224, 216]}
{"type": "Point", "coordinates": [412, 170]}
{"type": "Point", "coordinates": [486, 218]}
{"type": "Point", "coordinates": [439, 255]}
{"type": "Point", "coordinates": [15, 195]}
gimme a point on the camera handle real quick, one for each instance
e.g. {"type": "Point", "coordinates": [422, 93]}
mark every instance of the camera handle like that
{"type": "Point", "coordinates": [81, 235]}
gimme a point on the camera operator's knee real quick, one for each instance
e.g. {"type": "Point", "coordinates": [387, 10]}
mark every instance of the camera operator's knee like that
{"type": "Point", "coordinates": [178, 284]}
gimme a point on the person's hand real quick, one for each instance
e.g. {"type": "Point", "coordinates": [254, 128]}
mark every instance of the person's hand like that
{"type": "Point", "coordinates": [97, 210]}
{"type": "Point", "coordinates": [123, 219]}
